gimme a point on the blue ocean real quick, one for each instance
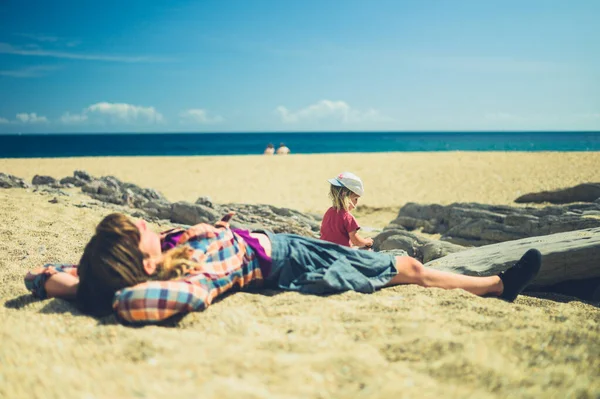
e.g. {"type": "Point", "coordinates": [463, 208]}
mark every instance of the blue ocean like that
{"type": "Point", "coordinates": [179, 144]}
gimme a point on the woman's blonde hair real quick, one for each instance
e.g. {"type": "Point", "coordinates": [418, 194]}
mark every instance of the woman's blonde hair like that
{"type": "Point", "coordinates": [340, 197]}
{"type": "Point", "coordinates": [112, 260]}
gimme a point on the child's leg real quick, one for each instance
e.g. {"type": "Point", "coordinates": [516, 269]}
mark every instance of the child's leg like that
{"type": "Point", "coordinates": [411, 271]}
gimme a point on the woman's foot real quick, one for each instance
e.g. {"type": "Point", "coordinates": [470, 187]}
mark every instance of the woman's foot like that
{"type": "Point", "coordinates": [520, 275]}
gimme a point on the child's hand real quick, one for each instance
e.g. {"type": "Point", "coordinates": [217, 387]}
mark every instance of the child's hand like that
{"type": "Point", "coordinates": [368, 242]}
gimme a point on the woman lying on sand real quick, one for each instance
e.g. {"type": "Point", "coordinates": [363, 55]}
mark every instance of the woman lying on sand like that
{"type": "Point", "coordinates": [125, 269]}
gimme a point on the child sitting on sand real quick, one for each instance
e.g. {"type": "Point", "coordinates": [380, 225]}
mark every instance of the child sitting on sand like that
{"type": "Point", "coordinates": [339, 225]}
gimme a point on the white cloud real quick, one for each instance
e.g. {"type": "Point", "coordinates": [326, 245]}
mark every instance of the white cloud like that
{"type": "Point", "coordinates": [69, 118]}
{"type": "Point", "coordinates": [199, 116]}
{"type": "Point", "coordinates": [39, 38]}
{"type": "Point", "coordinates": [333, 110]}
{"type": "Point", "coordinates": [122, 112]}
{"type": "Point", "coordinates": [29, 72]}
{"type": "Point", "coordinates": [31, 118]}
{"type": "Point", "coordinates": [103, 112]}
{"type": "Point", "coordinates": [3, 120]}
{"type": "Point", "coordinates": [6, 48]}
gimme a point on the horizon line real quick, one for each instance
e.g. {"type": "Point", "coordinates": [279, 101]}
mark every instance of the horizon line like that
{"type": "Point", "coordinates": [306, 132]}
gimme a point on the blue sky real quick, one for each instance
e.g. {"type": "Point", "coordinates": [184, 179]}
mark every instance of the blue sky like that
{"type": "Point", "coordinates": [310, 65]}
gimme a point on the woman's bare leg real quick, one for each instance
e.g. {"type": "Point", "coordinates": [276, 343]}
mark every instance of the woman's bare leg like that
{"type": "Point", "coordinates": [411, 271]}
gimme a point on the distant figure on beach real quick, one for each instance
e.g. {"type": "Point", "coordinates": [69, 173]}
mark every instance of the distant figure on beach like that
{"type": "Point", "coordinates": [282, 150]}
{"type": "Point", "coordinates": [338, 224]}
{"type": "Point", "coordinates": [270, 150]}
{"type": "Point", "coordinates": [145, 278]}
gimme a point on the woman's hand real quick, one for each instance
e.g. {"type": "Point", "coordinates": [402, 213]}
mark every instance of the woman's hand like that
{"type": "Point", "coordinates": [228, 217]}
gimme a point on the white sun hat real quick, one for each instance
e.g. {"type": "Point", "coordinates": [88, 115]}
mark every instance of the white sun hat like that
{"type": "Point", "coordinates": [350, 181]}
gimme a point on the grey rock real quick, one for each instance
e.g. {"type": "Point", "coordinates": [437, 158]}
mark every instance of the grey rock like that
{"type": "Point", "coordinates": [92, 187]}
{"type": "Point", "coordinates": [204, 201]}
{"type": "Point", "coordinates": [316, 216]}
{"type": "Point", "coordinates": [400, 242]}
{"type": "Point", "coordinates": [437, 249]}
{"type": "Point", "coordinates": [142, 195]}
{"type": "Point", "coordinates": [384, 235]}
{"type": "Point", "coordinates": [10, 181]}
{"type": "Point", "coordinates": [395, 252]}
{"type": "Point", "coordinates": [276, 219]}
{"type": "Point", "coordinates": [587, 192]}
{"type": "Point", "coordinates": [42, 180]}
{"type": "Point", "coordinates": [158, 209]}
{"type": "Point", "coordinates": [80, 178]}
{"type": "Point", "coordinates": [566, 256]}
{"type": "Point", "coordinates": [70, 180]}
{"type": "Point", "coordinates": [82, 175]}
{"type": "Point", "coordinates": [105, 189]}
{"type": "Point", "coordinates": [111, 190]}
{"type": "Point", "coordinates": [191, 214]}
{"type": "Point", "coordinates": [418, 247]}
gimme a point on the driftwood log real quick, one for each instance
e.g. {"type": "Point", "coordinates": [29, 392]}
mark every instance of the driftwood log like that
{"type": "Point", "coordinates": [570, 256]}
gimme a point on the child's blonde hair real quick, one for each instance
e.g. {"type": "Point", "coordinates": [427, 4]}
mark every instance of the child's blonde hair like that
{"type": "Point", "coordinates": [340, 197]}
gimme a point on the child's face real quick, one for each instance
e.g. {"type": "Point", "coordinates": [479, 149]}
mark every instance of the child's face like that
{"type": "Point", "coordinates": [354, 201]}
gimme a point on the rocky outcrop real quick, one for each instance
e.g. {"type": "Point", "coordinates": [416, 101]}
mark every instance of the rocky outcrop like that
{"type": "Point", "coordinates": [79, 178]}
{"type": "Point", "coordinates": [573, 255]}
{"type": "Point", "coordinates": [276, 219]}
{"type": "Point", "coordinates": [43, 180]}
{"type": "Point", "coordinates": [587, 192]}
{"type": "Point", "coordinates": [10, 181]}
{"type": "Point", "coordinates": [472, 224]}
{"type": "Point", "coordinates": [110, 189]}
{"type": "Point", "coordinates": [186, 213]}
{"type": "Point", "coordinates": [151, 204]}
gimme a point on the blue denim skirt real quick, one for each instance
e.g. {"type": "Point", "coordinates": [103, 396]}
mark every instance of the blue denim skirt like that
{"type": "Point", "coordinates": [314, 266]}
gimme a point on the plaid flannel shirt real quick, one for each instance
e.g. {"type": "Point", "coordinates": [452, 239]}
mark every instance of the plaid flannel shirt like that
{"type": "Point", "coordinates": [227, 263]}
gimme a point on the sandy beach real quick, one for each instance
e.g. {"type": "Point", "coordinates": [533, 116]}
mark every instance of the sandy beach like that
{"type": "Point", "coordinates": [399, 342]}
{"type": "Point", "coordinates": [300, 181]}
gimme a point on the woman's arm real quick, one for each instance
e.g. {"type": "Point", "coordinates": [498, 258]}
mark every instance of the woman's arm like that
{"type": "Point", "coordinates": [206, 230]}
{"type": "Point", "coordinates": [62, 285]}
{"type": "Point", "coordinates": [53, 281]}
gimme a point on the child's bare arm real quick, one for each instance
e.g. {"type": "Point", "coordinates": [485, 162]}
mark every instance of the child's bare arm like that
{"type": "Point", "coordinates": [358, 241]}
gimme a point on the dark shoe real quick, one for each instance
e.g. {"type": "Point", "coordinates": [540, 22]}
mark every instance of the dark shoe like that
{"type": "Point", "coordinates": [520, 275]}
